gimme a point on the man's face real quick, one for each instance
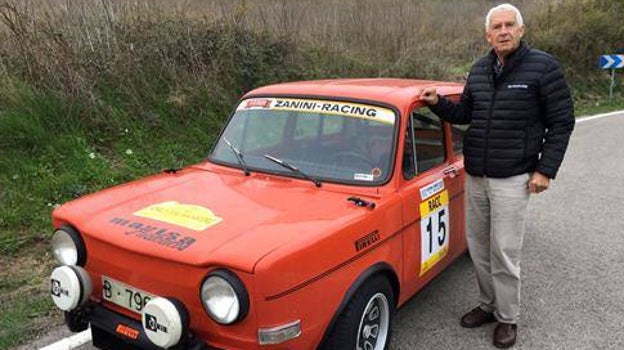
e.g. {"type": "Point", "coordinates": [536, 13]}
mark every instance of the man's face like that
{"type": "Point", "coordinates": [504, 33]}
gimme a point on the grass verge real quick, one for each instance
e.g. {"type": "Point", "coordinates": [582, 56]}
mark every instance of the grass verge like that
{"type": "Point", "coordinates": [26, 310]}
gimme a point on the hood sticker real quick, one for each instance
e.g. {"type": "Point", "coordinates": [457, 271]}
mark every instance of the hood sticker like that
{"type": "Point", "coordinates": [189, 216]}
{"type": "Point", "coordinates": [157, 235]}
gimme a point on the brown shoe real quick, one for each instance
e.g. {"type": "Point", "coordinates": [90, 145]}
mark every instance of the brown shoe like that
{"type": "Point", "coordinates": [505, 335]}
{"type": "Point", "coordinates": [476, 317]}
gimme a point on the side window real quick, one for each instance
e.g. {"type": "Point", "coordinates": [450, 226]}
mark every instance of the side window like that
{"type": "Point", "coordinates": [428, 140]}
{"type": "Point", "coordinates": [409, 164]}
{"type": "Point", "coordinates": [457, 135]}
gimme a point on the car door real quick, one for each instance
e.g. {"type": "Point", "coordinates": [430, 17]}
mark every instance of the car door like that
{"type": "Point", "coordinates": [433, 199]}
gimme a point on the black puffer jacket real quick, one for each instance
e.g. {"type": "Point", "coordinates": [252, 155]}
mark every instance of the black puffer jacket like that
{"type": "Point", "coordinates": [519, 122]}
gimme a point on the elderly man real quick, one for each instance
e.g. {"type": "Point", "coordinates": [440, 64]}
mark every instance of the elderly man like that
{"type": "Point", "coordinates": [520, 113]}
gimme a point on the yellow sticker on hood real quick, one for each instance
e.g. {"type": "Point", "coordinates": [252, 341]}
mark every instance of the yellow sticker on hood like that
{"type": "Point", "coordinates": [190, 216]}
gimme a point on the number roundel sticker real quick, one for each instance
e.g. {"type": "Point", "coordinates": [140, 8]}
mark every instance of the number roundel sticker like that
{"type": "Point", "coordinates": [434, 230]}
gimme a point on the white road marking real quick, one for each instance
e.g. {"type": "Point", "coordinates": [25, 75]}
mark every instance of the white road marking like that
{"type": "Point", "coordinates": [72, 342]}
{"type": "Point", "coordinates": [597, 116]}
{"type": "Point", "coordinates": [83, 337]}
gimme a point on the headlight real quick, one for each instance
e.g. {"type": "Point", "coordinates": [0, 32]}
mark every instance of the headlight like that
{"type": "Point", "coordinates": [68, 247]}
{"type": "Point", "coordinates": [224, 297]}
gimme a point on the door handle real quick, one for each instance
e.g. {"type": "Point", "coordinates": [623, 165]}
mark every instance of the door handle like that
{"type": "Point", "coordinates": [452, 171]}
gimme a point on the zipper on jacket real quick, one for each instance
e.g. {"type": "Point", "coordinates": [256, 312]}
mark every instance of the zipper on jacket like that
{"type": "Point", "coordinates": [489, 122]}
{"type": "Point", "coordinates": [487, 133]}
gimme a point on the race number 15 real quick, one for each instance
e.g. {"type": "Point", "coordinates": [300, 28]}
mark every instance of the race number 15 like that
{"type": "Point", "coordinates": [434, 230]}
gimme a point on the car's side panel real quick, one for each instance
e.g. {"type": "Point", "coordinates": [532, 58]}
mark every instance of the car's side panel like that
{"type": "Point", "coordinates": [414, 279]}
{"type": "Point", "coordinates": [331, 264]}
{"type": "Point", "coordinates": [458, 225]}
{"type": "Point", "coordinates": [452, 174]}
{"type": "Point", "coordinates": [320, 300]}
{"type": "Point", "coordinates": [299, 263]}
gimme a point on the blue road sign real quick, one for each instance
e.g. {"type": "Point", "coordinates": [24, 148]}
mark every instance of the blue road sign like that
{"type": "Point", "coordinates": [611, 61]}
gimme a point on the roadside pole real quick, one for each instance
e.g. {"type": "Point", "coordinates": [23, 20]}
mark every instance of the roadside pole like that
{"type": "Point", "coordinates": [612, 85]}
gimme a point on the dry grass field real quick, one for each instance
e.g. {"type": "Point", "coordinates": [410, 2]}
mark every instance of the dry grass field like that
{"type": "Point", "coordinates": [384, 34]}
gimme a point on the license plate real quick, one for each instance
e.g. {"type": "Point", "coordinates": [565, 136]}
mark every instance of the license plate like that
{"type": "Point", "coordinates": [124, 295]}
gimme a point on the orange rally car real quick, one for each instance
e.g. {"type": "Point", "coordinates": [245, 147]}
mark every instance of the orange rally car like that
{"type": "Point", "coordinates": [322, 207]}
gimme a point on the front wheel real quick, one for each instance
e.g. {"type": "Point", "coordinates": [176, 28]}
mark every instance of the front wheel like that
{"type": "Point", "coordinates": [365, 324]}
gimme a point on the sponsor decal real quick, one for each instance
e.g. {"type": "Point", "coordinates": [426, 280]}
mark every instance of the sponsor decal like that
{"type": "Point", "coordinates": [347, 109]}
{"type": "Point", "coordinates": [257, 103]}
{"type": "Point", "coordinates": [434, 230]}
{"type": "Point", "coordinates": [434, 203]}
{"type": "Point", "coordinates": [363, 177]}
{"type": "Point", "coordinates": [152, 324]}
{"type": "Point", "coordinates": [431, 189]}
{"type": "Point", "coordinates": [154, 234]}
{"type": "Point", "coordinates": [56, 289]}
{"type": "Point", "coordinates": [367, 240]}
{"type": "Point", "coordinates": [189, 216]}
{"type": "Point", "coordinates": [127, 331]}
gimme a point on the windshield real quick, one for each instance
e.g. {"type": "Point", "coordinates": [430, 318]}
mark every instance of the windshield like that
{"type": "Point", "coordinates": [333, 141]}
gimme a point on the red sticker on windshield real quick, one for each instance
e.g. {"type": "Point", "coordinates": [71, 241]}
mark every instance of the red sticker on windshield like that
{"type": "Point", "coordinates": [258, 103]}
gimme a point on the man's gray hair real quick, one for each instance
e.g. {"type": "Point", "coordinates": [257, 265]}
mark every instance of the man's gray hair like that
{"type": "Point", "coordinates": [504, 7]}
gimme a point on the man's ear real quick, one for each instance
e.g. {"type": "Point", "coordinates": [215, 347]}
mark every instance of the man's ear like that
{"type": "Point", "coordinates": [521, 31]}
{"type": "Point", "coordinates": [487, 37]}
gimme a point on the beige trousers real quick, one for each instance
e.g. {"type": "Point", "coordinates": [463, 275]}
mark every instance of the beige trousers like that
{"type": "Point", "coordinates": [496, 220]}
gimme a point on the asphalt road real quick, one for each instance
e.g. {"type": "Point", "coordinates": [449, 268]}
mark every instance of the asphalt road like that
{"type": "Point", "coordinates": [572, 269]}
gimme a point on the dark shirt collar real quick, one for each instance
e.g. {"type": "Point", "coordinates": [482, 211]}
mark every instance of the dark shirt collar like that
{"type": "Point", "coordinates": [498, 70]}
{"type": "Point", "coordinates": [497, 66]}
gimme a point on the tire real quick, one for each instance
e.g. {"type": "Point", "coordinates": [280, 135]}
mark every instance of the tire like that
{"type": "Point", "coordinates": [365, 323]}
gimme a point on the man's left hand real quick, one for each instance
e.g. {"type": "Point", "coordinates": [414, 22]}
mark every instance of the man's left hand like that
{"type": "Point", "coordinates": [538, 183]}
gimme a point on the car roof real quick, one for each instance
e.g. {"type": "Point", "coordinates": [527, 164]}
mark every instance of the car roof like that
{"type": "Point", "coordinates": [398, 92]}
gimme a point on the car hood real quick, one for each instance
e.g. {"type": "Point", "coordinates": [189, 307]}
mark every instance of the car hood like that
{"type": "Point", "coordinates": [210, 215]}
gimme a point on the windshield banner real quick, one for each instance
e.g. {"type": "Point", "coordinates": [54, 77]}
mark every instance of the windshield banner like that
{"type": "Point", "coordinates": [342, 108]}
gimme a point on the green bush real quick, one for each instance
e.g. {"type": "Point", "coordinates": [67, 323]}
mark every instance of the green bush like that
{"type": "Point", "coordinates": [577, 32]}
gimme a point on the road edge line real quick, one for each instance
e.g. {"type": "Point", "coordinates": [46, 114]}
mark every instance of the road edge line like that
{"type": "Point", "coordinates": [597, 116]}
{"type": "Point", "coordinates": [69, 343]}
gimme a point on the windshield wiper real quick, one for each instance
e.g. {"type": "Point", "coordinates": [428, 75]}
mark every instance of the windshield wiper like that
{"type": "Point", "coordinates": [293, 168]}
{"type": "Point", "coordinates": [239, 156]}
